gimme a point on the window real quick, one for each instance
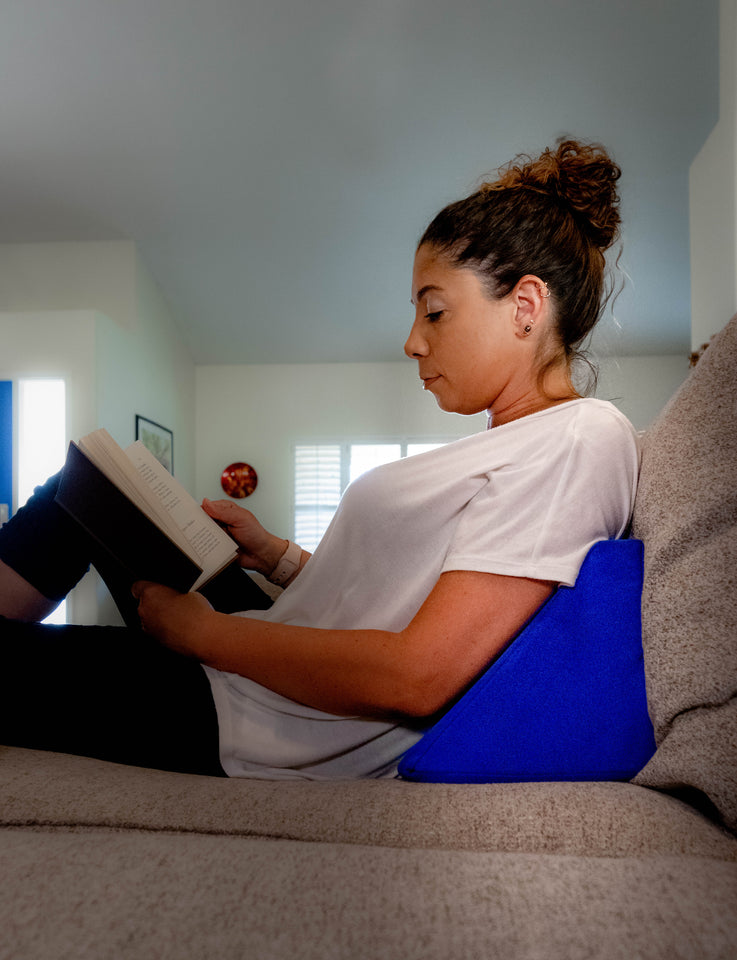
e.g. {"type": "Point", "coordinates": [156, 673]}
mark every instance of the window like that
{"type": "Point", "coordinates": [322, 471]}
{"type": "Point", "coordinates": [41, 442]}
{"type": "Point", "coordinates": [318, 484]}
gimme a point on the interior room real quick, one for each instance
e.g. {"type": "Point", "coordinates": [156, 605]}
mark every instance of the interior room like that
{"type": "Point", "coordinates": [209, 214]}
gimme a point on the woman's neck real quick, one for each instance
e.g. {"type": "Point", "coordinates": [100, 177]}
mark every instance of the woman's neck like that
{"type": "Point", "coordinates": [498, 418]}
{"type": "Point", "coordinates": [555, 389]}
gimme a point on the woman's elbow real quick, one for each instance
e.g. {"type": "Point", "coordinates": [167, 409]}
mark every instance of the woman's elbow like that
{"type": "Point", "coordinates": [418, 683]}
{"type": "Point", "coordinates": [423, 696]}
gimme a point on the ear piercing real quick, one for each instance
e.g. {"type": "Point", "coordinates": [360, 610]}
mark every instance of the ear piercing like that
{"type": "Point", "coordinates": [527, 329]}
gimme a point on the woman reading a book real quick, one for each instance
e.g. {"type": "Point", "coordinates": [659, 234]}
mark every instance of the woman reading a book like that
{"type": "Point", "coordinates": [431, 565]}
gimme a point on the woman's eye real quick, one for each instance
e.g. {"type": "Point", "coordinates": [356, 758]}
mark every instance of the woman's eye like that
{"type": "Point", "coordinates": [434, 316]}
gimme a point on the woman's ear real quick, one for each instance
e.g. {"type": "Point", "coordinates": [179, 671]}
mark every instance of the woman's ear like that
{"type": "Point", "coordinates": [530, 295]}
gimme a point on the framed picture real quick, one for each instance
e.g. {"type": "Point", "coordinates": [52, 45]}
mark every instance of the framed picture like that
{"type": "Point", "coordinates": [157, 439]}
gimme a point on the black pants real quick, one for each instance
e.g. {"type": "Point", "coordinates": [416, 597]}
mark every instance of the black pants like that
{"type": "Point", "coordinates": [108, 692]}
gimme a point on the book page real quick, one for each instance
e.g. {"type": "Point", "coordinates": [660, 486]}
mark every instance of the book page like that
{"type": "Point", "coordinates": [211, 544]}
{"type": "Point", "coordinates": [107, 456]}
{"type": "Point", "coordinates": [150, 486]}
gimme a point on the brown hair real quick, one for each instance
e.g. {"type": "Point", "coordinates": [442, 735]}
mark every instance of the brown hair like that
{"type": "Point", "coordinates": [553, 216]}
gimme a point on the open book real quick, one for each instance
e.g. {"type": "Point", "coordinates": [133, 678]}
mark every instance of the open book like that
{"type": "Point", "coordinates": [140, 515]}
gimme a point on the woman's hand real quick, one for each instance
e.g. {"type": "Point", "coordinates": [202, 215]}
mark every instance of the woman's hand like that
{"type": "Point", "coordinates": [178, 620]}
{"type": "Point", "coordinates": [258, 549]}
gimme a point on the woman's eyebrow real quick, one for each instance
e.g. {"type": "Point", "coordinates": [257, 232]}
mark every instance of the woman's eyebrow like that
{"type": "Point", "coordinates": [421, 293]}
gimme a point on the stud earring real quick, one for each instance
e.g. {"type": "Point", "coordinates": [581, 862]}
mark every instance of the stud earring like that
{"type": "Point", "coordinates": [527, 329]}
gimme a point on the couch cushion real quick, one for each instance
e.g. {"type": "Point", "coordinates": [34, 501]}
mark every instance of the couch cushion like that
{"type": "Point", "coordinates": [594, 819]}
{"type": "Point", "coordinates": [132, 894]}
{"type": "Point", "coordinates": [686, 512]}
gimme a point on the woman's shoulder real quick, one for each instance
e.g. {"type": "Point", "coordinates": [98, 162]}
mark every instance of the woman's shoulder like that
{"type": "Point", "coordinates": [585, 414]}
{"type": "Point", "coordinates": [603, 437]}
{"type": "Point", "coordinates": [588, 408]}
{"type": "Point", "coordinates": [593, 414]}
{"type": "Point", "coordinates": [588, 425]}
{"type": "Point", "coordinates": [582, 415]}
{"type": "Point", "coordinates": [600, 422]}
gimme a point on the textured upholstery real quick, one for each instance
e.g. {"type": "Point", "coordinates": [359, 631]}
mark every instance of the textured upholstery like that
{"type": "Point", "coordinates": [133, 896]}
{"type": "Point", "coordinates": [48, 790]}
{"type": "Point", "coordinates": [686, 512]}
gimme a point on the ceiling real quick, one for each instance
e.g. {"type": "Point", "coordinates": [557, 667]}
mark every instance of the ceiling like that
{"type": "Point", "coordinates": [275, 161]}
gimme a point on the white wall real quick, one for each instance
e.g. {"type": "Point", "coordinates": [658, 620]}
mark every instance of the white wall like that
{"type": "Point", "coordinates": [146, 369]}
{"type": "Point", "coordinates": [256, 413]}
{"type": "Point", "coordinates": [713, 200]}
{"type": "Point", "coordinates": [91, 314]}
{"type": "Point", "coordinates": [69, 276]}
{"type": "Point", "coordinates": [641, 386]}
{"type": "Point", "coordinates": [140, 363]}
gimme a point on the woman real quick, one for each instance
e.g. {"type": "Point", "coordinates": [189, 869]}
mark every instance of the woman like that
{"type": "Point", "coordinates": [431, 565]}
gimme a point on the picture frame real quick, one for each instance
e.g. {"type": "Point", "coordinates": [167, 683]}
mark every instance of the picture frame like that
{"type": "Point", "coordinates": [157, 439]}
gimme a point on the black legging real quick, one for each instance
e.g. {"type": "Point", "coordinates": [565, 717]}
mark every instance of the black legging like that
{"type": "Point", "coordinates": [108, 692]}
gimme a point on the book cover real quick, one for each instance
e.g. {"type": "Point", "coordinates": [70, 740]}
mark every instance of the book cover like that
{"type": "Point", "coordinates": [136, 544]}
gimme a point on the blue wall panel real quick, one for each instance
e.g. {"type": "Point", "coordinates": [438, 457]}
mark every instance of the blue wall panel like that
{"type": "Point", "coordinates": [6, 442]}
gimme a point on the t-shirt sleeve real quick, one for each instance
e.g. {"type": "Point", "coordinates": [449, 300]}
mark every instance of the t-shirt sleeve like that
{"type": "Point", "coordinates": [545, 506]}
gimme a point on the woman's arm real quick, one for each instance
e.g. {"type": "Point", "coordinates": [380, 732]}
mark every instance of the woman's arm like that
{"type": "Point", "coordinates": [466, 620]}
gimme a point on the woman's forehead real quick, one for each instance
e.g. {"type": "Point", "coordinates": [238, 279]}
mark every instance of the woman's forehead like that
{"type": "Point", "coordinates": [434, 272]}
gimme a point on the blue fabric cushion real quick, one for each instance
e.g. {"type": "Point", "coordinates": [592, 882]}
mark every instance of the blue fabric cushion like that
{"type": "Point", "coordinates": [566, 700]}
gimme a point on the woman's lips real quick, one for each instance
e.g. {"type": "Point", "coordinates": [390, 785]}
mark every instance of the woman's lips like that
{"type": "Point", "coordinates": [428, 381]}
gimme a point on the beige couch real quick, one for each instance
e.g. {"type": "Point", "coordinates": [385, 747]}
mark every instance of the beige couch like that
{"type": "Point", "coordinates": [104, 861]}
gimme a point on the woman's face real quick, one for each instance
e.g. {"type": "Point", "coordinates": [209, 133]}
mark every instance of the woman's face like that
{"type": "Point", "coordinates": [469, 351]}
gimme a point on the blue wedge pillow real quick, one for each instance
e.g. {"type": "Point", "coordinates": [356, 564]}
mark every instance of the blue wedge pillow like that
{"type": "Point", "coordinates": [565, 700]}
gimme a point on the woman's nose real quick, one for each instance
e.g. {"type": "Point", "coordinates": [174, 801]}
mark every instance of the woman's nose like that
{"type": "Point", "coordinates": [416, 345]}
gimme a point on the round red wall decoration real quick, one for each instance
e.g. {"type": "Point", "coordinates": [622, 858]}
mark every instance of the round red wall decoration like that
{"type": "Point", "coordinates": [239, 480]}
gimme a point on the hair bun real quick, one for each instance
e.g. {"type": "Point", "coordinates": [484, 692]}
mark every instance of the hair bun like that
{"type": "Point", "coordinates": [579, 176]}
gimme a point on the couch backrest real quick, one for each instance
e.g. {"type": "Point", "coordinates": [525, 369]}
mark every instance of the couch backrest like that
{"type": "Point", "coordinates": [686, 514]}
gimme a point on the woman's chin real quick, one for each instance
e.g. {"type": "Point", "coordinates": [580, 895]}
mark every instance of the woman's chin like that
{"type": "Point", "coordinates": [453, 406]}
{"type": "Point", "coordinates": [450, 403]}
{"type": "Point", "coordinates": [445, 405]}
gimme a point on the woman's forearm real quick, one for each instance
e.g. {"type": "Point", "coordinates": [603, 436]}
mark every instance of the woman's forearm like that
{"type": "Point", "coordinates": [466, 620]}
{"type": "Point", "coordinates": [345, 672]}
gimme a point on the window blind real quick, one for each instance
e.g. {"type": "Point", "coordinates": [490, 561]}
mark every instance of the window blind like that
{"type": "Point", "coordinates": [317, 489]}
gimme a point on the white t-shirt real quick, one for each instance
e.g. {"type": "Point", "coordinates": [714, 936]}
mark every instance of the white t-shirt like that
{"type": "Point", "coordinates": [527, 499]}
